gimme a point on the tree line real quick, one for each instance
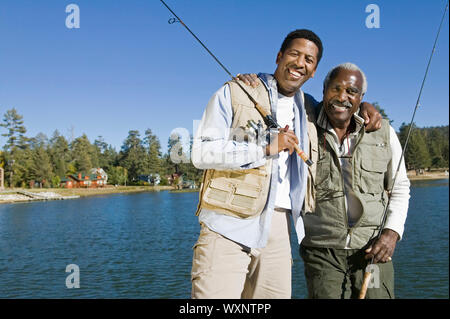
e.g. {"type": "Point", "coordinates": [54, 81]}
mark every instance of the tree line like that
{"type": "Point", "coordinates": [48, 160]}
{"type": "Point", "coordinates": [43, 160]}
{"type": "Point", "coordinates": [427, 147]}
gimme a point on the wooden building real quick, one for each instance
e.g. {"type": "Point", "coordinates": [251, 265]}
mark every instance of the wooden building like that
{"type": "Point", "coordinates": [80, 180]}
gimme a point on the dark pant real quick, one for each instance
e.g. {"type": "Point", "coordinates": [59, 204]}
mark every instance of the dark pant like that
{"type": "Point", "coordinates": [338, 274]}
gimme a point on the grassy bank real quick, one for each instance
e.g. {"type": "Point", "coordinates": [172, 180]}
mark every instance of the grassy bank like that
{"type": "Point", "coordinates": [186, 190]}
{"type": "Point", "coordinates": [82, 192]}
{"type": "Point", "coordinates": [427, 175]}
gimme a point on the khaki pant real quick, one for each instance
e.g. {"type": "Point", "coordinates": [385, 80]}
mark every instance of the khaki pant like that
{"type": "Point", "coordinates": [224, 269]}
{"type": "Point", "coordinates": [338, 274]}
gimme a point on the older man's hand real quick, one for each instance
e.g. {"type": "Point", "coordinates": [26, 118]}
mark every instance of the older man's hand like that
{"type": "Point", "coordinates": [383, 248]}
{"type": "Point", "coordinates": [249, 79]}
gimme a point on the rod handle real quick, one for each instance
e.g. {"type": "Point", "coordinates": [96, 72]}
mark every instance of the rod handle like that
{"type": "Point", "coordinates": [303, 155]}
{"type": "Point", "coordinates": [261, 109]}
{"type": "Point", "coordinates": [296, 147]}
{"type": "Point", "coordinates": [365, 285]}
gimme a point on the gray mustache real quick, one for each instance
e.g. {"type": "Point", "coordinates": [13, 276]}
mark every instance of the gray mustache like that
{"type": "Point", "coordinates": [346, 104]}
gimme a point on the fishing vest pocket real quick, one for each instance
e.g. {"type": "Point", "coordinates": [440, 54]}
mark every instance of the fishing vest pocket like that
{"type": "Point", "coordinates": [237, 193]}
{"type": "Point", "coordinates": [328, 179]}
{"type": "Point", "coordinates": [322, 172]}
{"type": "Point", "coordinates": [372, 157]}
{"type": "Point", "coordinates": [244, 196]}
{"type": "Point", "coordinates": [372, 175]}
{"type": "Point", "coordinates": [218, 192]}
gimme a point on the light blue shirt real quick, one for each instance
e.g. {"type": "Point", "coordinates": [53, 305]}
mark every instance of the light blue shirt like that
{"type": "Point", "coordinates": [212, 149]}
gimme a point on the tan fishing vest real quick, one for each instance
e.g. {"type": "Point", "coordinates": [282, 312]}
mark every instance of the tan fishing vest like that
{"type": "Point", "coordinates": [239, 193]}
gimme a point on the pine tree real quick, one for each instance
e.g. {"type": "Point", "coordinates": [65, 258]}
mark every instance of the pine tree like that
{"type": "Point", "coordinates": [105, 153]}
{"type": "Point", "coordinates": [40, 140]}
{"type": "Point", "coordinates": [133, 157]}
{"type": "Point", "coordinates": [16, 157]}
{"type": "Point", "coordinates": [82, 153]}
{"type": "Point", "coordinates": [416, 155]}
{"type": "Point", "coordinates": [17, 172]}
{"type": "Point", "coordinates": [59, 154]}
{"type": "Point", "coordinates": [437, 142]}
{"type": "Point", "coordinates": [41, 167]}
{"type": "Point", "coordinates": [153, 148]}
{"type": "Point", "coordinates": [13, 123]}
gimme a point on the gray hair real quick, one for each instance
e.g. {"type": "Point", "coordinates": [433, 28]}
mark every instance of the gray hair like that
{"type": "Point", "coordinates": [346, 66]}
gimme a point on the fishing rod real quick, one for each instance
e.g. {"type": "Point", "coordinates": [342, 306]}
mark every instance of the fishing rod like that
{"type": "Point", "coordinates": [367, 273]}
{"type": "Point", "coordinates": [270, 121]}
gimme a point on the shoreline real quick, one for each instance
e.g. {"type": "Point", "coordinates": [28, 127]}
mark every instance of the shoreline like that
{"type": "Point", "coordinates": [71, 193]}
{"type": "Point", "coordinates": [426, 176]}
{"type": "Point", "coordinates": [17, 195]}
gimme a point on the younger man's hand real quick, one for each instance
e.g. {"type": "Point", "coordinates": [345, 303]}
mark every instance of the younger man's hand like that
{"type": "Point", "coordinates": [285, 141]}
{"type": "Point", "coordinates": [372, 118]}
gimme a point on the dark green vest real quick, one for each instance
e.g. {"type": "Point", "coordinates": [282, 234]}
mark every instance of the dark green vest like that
{"type": "Point", "coordinates": [328, 226]}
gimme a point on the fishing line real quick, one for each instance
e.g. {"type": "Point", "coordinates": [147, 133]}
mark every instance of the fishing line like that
{"type": "Point", "coordinates": [367, 274]}
{"type": "Point", "coordinates": [270, 121]}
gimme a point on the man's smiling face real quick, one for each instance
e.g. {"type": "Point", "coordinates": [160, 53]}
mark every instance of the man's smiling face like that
{"type": "Point", "coordinates": [342, 96]}
{"type": "Point", "coordinates": [296, 65]}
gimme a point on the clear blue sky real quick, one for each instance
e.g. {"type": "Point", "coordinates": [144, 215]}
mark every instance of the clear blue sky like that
{"type": "Point", "coordinates": [127, 68]}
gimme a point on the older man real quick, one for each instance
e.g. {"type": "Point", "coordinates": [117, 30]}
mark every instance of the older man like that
{"type": "Point", "coordinates": [354, 171]}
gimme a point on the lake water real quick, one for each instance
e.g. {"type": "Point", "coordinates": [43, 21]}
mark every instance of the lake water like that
{"type": "Point", "coordinates": [140, 246]}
